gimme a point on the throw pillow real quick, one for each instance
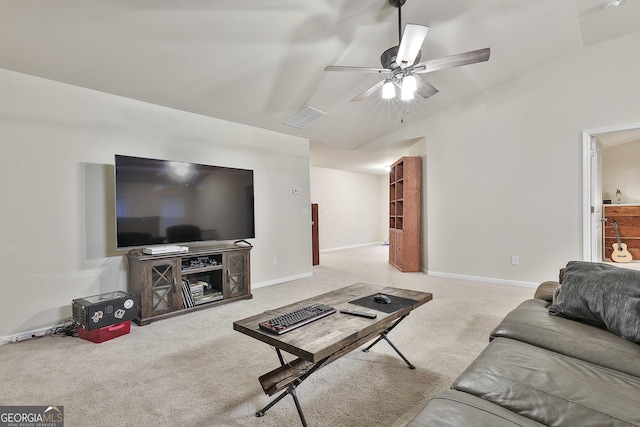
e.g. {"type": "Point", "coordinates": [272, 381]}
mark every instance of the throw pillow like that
{"type": "Point", "coordinates": [601, 294]}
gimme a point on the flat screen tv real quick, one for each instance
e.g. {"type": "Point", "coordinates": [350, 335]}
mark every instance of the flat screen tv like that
{"type": "Point", "coordinates": [161, 202]}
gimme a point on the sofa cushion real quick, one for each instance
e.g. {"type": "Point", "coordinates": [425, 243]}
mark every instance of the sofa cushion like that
{"type": "Point", "coordinates": [531, 322]}
{"type": "Point", "coordinates": [454, 409]}
{"type": "Point", "coordinates": [551, 388]}
{"type": "Point", "coordinates": [601, 294]}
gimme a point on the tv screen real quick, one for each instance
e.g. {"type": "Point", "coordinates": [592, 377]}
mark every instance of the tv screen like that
{"type": "Point", "coordinates": [160, 202]}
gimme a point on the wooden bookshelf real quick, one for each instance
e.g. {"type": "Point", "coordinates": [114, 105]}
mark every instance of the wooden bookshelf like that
{"type": "Point", "coordinates": [405, 180]}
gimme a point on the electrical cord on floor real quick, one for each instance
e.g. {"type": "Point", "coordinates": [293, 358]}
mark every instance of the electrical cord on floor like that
{"type": "Point", "coordinates": [66, 328]}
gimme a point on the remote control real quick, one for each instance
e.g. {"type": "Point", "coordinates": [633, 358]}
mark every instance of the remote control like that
{"type": "Point", "coordinates": [359, 313]}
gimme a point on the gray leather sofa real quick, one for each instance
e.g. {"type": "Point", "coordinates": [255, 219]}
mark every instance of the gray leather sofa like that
{"type": "Point", "coordinates": [553, 369]}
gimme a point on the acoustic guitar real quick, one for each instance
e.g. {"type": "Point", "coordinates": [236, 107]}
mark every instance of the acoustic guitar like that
{"type": "Point", "coordinates": [620, 252]}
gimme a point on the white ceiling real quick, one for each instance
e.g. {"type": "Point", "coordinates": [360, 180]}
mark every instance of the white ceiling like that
{"type": "Point", "coordinates": [611, 139]}
{"type": "Point", "coordinates": [258, 62]}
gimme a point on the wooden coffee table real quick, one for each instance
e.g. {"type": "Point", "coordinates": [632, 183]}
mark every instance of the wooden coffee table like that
{"type": "Point", "coordinates": [325, 340]}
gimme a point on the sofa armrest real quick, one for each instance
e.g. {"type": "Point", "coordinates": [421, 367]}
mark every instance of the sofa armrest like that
{"type": "Point", "coordinates": [545, 291]}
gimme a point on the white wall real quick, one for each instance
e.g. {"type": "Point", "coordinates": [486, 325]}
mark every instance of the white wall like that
{"type": "Point", "coordinates": [503, 177]}
{"type": "Point", "coordinates": [504, 170]}
{"type": "Point", "coordinates": [349, 207]}
{"type": "Point", "coordinates": [57, 226]}
{"type": "Point", "coordinates": [621, 170]}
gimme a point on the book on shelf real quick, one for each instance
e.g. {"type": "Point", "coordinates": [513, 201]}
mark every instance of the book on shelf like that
{"type": "Point", "coordinates": [194, 294]}
{"type": "Point", "coordinates": [208, 297]}
{"type": "Point", "coordinates": [197, 289]}
{"type": "Point", "coordinates": [187, 296]}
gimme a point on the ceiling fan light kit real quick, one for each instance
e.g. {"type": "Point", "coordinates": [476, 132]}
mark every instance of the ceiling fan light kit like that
{"type": "Point", "coordinates": [388, 90]}
{"type": "Point", "coordinates": [409, 83]}
{"type": "Point", "coordinates": [409, 86]}
{"type": "Point", "coordinates": [406, 94]}
{"type": "Point", "coordinates": [401, 63]}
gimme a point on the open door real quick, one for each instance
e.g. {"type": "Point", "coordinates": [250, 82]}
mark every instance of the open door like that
{"type": "Point", "coordinates": [592, 209]}
{"type": "Point", "coordinates": [315, 244]}
{"type": "Point", "coordinates": [597, 242]}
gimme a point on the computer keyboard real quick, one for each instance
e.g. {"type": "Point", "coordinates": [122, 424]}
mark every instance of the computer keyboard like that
{"type": "Point", "coordinates": [289, 321]}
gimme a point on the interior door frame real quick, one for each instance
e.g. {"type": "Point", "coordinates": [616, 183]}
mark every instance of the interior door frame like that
{"type": "Point", "coordinates": [588, 251]}
{"type": "Point", "coordinates": [315, 237]}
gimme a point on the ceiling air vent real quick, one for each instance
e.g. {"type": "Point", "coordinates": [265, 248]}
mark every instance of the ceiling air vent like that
{"type": "Point", "coordinates": [304, 117]}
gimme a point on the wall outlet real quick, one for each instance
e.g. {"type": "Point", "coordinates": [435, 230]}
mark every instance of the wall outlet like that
{"type": "Point", "coordinates": [514, 260]}
{"type": "Point", "coordinates": [275, 260]}
{"type": "Point", "coordinates": [337, 237]}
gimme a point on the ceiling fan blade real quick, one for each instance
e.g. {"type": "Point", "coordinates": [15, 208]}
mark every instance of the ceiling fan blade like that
{"type": "Point", "coordinates": [369, 91]}
{"type": "Point", "coordinates": [457, 60]}
{"type": "Point", "coordinates": [410, 45]}
{"type": "Point", "coordinates": [356, 69]}
{"type": "Point", "coordinates": [425, 88]}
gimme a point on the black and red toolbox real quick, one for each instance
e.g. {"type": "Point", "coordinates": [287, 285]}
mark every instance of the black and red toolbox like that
{"type": "Point", "coordinates": [105, 316]}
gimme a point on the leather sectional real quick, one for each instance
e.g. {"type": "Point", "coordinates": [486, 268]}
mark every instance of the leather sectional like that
{"type": "Point", "coordinates": [552, 369]}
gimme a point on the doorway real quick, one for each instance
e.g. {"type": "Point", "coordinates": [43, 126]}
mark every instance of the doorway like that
{"type": "Point", "coordinates": [592, 143]}
{"type": "Point", "coordinates": [315, 243]}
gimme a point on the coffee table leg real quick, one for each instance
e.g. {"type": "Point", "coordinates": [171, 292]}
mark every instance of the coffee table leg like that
{"type": "Point", "coordinates": [261, 412]}
{"type": "Point", "coordinates": [293, 394]}
{"type": "Point", "coordinates": [366, 350]}
{"type": "Point", "coordinates": [291, 390]}
{"type": "Point", "coordinates": [383, 336]}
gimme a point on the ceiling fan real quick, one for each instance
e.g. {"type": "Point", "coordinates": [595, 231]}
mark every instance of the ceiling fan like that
{"type": "Point", "coordinates": [400, 64]}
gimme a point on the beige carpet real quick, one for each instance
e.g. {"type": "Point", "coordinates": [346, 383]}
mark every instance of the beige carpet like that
{"type": "Point", "coordinates": [194, 370]}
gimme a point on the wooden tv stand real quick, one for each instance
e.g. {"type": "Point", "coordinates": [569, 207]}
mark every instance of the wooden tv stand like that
{"type": "Point", "coordinates": [157, 280]}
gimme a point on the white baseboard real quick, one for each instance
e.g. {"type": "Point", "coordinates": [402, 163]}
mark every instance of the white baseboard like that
{"type": "Point", "coordinates": [481, 279]}
{"type": "Point", "coordinates": [351, 247]}
{"type": "Point", "coordinates": [281, 280]}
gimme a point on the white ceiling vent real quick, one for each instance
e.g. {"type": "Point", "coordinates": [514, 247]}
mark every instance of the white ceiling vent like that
{"type": "Point", "coordinates": [304, 117]}
{"type": "Point", "coordinates": [611, 4]}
